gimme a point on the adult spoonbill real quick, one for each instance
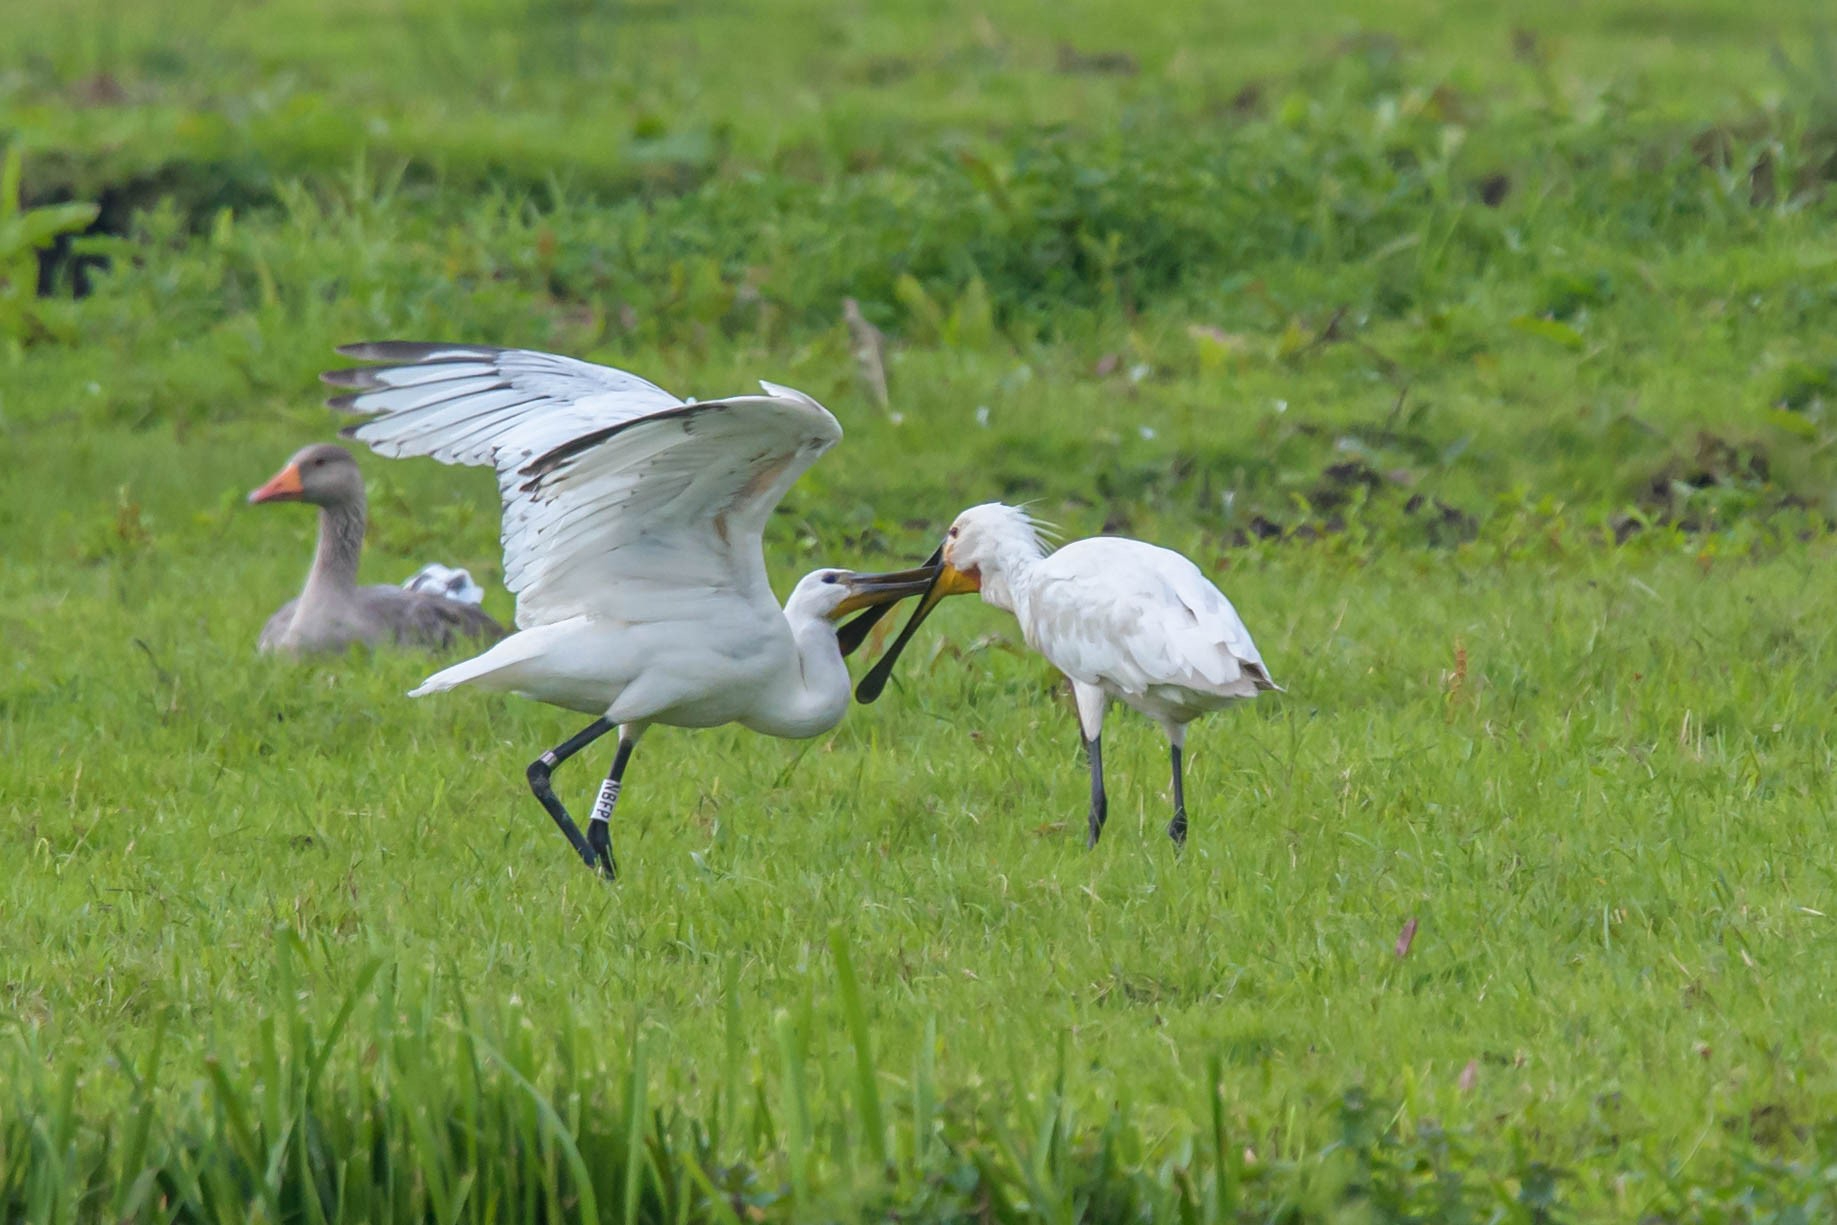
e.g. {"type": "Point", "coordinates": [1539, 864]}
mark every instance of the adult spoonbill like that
{"type": "Point", "coordinates": [632, 538]}
{"type": "Point", "coordinates": [332, 612]}
{"type": "Point", "coordinates": [1124, 620]}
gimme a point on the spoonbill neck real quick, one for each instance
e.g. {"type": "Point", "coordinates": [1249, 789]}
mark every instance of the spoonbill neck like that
{"type": "Point", "coordinates": [1006, 575]}
{"type": "Point", "coordinates": [810, 695]}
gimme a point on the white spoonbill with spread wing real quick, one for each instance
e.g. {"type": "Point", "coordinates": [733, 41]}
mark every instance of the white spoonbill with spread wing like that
{"type": "Point", "coordinates": [1124, 620]}
{"type": "Point", "coordinates": [632, 539]}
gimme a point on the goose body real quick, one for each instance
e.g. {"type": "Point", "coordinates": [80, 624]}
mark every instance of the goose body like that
{"type": "Point", "coordinates": [333, 612]}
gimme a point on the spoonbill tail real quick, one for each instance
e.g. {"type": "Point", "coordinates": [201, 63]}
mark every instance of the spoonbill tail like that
{"type": "Point", "coordinates": [632, 539]}
{"type": "Point", "coordinates": [1124, 620]}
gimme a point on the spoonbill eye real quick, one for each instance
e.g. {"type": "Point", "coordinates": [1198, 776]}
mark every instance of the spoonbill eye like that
{"type": "Point", "coordinates": [830, 577]}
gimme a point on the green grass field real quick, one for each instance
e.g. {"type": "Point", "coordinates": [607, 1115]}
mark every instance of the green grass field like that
{"type": "Point", "coordinates": [1486, 360]}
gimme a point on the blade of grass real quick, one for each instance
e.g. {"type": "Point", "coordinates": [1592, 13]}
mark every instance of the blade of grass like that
{"type": "Point", "coordinates": [867, 1087]}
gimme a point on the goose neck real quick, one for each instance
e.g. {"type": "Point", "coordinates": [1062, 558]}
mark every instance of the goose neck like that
{"type": "Point", "coordinates": [341, 543]}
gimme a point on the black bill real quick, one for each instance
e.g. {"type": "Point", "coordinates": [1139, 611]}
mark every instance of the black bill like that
{"type": "Point", "coordinates": [851, 636]}
{"type": "Point", "coordinates": [878, 592]}
{"type": "Point", "coordinates": [948, 581]}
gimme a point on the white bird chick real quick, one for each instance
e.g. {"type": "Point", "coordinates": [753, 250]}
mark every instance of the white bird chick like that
{"type": "Point", "coordinates": [1124, 620]}
{"type": "Point", "coordinates": [452, 582]}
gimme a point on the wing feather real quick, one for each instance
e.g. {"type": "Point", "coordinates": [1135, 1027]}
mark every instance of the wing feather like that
{"type": "Point", "coordinates": [1139, 617]}
{"type": "Point", "coordinates": [532, 402]}
{"type": "Point", "coordinates": [620, 499]}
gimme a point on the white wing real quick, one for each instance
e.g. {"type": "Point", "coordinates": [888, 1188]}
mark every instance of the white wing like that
{"type": "Point", "coordinates": [1138, 616]}
{"type": "Point", "coordinates": [470, 404]}
{"type": "Point", "coordinates": [620, 501]}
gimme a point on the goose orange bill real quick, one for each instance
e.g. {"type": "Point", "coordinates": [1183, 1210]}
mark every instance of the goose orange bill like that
{"type": "Point", "coordinates": [283, 486]}
{"type": "Point", "coordinates": [851, 636]}
{"type": "Point", "coordinates": [881, 590]}
{"type": "Point", "coordinates": [949, 581]}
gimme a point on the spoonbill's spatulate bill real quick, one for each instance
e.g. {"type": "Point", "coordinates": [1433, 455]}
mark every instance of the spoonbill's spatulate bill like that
{"type": "Point", "coordinates": [1124, 620]}
{"type": "Point", "coordinates": [632, 539]}
{"type": "Point", "coordinates": [333, 611]}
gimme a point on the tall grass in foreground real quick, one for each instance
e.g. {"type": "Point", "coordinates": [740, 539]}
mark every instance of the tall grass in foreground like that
{"type": "Point", "coordinates": [412, 1105]}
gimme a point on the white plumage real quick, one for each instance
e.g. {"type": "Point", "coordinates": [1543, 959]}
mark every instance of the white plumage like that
{"type": "Point", "coordinates": [455, 583]}
{"type": "Point", "coordinates": [632, 535]}
{"type": "Point", "coordinates": [610, 484]}
{"type": "Point", "coordinates": [1124, 620]}
{"type": "Point", "coordinates": [1142, 624]}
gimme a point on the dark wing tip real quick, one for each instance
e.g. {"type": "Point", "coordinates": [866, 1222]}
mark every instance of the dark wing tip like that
{"type": "Point", "coordinates": [411, 351]}
{"type": "Point", "coordinates": [350, 376]}
{"type": "Point", "coordinates": [363, 348]}
{"type": "Point", "coordinates": [346, 404]}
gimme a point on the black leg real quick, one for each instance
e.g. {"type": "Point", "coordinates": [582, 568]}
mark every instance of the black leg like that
{"type": "Point", "coordinates": [1176, 829]}
{"type": "Point", "coordinates": [599, 825]}
{"type": "Point", "coordinates": [539, 770]}
{"type": "Point", "coordinates": [1100, 806]}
